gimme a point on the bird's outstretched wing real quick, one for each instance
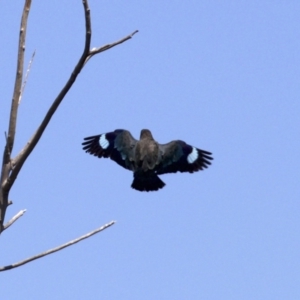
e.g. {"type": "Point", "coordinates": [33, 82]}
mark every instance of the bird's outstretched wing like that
{"type": "Point", "coordinates": [119, 145]}
{"type": "Point", "coordinates": [179, 156]}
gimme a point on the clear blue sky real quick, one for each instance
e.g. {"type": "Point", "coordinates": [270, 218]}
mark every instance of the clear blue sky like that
{"type": "Point", "coordinates": [221, 75]}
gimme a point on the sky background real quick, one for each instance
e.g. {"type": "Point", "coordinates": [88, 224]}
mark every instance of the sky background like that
{"type": "Point", "coordinates": [223, 76]}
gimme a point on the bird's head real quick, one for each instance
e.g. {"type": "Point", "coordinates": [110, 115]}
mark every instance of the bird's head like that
{"type": "Point", "coordinates": [146, 134]}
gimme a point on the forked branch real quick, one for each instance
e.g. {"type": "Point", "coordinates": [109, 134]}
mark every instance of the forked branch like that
{"type": "Point", "coordinates": [11, 167]}
{"type": "Point", "coordinates": [25, 152]}
{"type": "Point", "coordinates": [87, 53]}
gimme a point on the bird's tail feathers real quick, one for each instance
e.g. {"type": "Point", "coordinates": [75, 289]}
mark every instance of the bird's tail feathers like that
{"type": "Point", "coordinates": [147, 182]}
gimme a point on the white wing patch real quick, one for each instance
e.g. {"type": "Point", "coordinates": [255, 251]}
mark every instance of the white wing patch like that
{"type": "Point", "coordinates": [192, 157]}
{"type": "Point", "coordinates": [104, 143]}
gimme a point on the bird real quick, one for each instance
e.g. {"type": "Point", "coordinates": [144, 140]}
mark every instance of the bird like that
{"type": "Point", "coordinates": [145, 157]}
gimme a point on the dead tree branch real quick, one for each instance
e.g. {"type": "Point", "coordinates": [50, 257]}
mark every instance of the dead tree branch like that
{"type": "Point", "coordinates": [25, 261]}
{"type": "Point", "coordinates": [11, 167]}
{"type": "Point", "coordinates": [25, 152]}
{"type": "Point", "coordinates": [6, 164]}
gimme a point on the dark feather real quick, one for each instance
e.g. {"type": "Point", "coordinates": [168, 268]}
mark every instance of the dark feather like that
{"type": "Point", "coordinates": [147, 181]}
{"type": "Point", "coordinates": [120, 147]}
{"type": "Point", "coordinates": [175, 158]}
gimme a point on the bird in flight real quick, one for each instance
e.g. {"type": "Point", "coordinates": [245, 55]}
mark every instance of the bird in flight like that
{"type": "Point", "coordinates": [146, 158]}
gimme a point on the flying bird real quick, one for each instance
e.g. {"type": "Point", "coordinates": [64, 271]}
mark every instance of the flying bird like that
{"type": "Point", "coordinates": [146, 158]}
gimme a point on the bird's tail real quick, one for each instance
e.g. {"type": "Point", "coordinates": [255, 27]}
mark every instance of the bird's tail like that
{"type": "Point", "coordinates": [146, 182]}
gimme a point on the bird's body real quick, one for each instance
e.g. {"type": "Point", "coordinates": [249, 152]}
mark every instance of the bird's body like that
{"type": "Point", "coordinates": [146, 157]}
{"type": "Point", "coordinates": [146, 152]}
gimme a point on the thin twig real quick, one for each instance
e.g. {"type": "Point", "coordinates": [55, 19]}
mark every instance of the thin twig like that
{"type": "Point", "coordinates": [26, 76]}
{"type": "Point", "coordinates": [109, 46]}
{"type": "Point", "coordinates": [25, 261]}
{"type": "Point", "coordinates": [14, 219]}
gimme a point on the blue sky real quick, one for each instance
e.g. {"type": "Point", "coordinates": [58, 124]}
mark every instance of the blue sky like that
{"type": "Point", "coordinates": [223, 76]}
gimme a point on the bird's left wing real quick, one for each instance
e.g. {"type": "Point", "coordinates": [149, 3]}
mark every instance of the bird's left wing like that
{"type": "Point", "coordinates": [177, 156]}
{"type": "Point", "coordinates": [119, 145]}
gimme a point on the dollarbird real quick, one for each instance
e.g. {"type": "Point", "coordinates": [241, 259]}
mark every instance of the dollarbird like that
{"type": "Point", "coordinates": [145, 157]}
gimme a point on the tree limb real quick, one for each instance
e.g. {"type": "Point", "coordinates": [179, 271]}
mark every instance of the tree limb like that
{"type": "Point", "coordinates": [25, 152]}
{"type": "Point", "coordinates": [25, 261]}
{"type": "Point", "coordinates": [11, 167]}
{"type": "Point", "coordinates": [18, 81]}
{"type": "Point", "coordinates": [6, 163]}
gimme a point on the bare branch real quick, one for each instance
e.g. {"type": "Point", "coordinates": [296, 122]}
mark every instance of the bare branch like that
{"type": "Point", "coordinates": [26, 76]}
{"type": "Point", "coordinates": [11, 167]}
{"type": "Point", "coordinates": [6, 162]}
{"type": "Point", "coordinates": [25, 152]}
{"type": "Point", "coordinates": [25, 261]}
{"type": "Point", "coordinates": [14, 219]}
{"type": "Point", "coordinates": [18, 81]}
{"type": "Point", "coordinates": [109, 46]}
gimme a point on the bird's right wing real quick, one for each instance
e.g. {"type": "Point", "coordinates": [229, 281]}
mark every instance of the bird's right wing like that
{"type": "Point", "coordinates": [178, 156]}
{"type": "Point", "coordinates": [119, 145]}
